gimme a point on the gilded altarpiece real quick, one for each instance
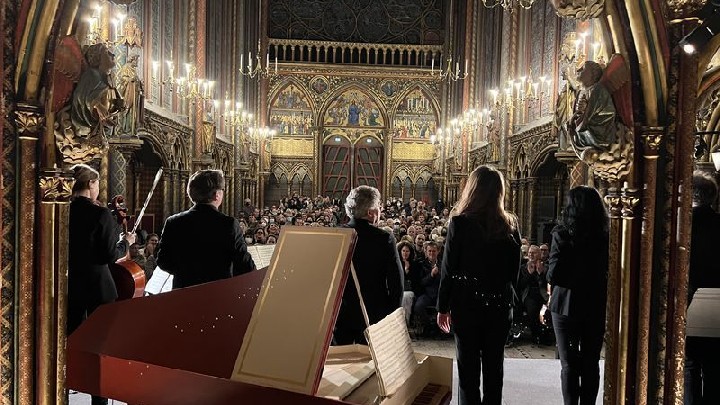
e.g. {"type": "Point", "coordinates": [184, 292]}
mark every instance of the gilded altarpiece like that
{"type": "Point", "coordinates": [334, 132]}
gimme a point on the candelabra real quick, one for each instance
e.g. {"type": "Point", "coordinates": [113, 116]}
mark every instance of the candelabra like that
{"type": "Point", "coordinates": [509, 5]}
{"type": "Point", "coordinates": [257, 70]}
{"type": "Point", "coordinates": [448, 72]}
{"type": "Point", "coordinates": [95, 31]}
{"type": "Point", "coordinates": [520, 92]}
{"type": "Point", "coordinates": [189, 87]}
{"type": "Point", "coordinates": [236, 117]}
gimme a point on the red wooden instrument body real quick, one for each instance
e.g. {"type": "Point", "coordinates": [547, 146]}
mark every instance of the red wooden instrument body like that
{"type": "Point", "coordinates": [129, 278]}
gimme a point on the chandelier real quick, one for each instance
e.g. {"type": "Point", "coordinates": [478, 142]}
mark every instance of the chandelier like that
{"type": "Point", "coordinates": [449, 72]}
{"type": "Point", "coordinates": [520, 92]}
{"type": "Point", "coordinates": [509, 5]}
{"type": "Point", "coordinates": [257, 70]}
{"type": "Point", "coordinates": [189, 87]}
{"type": "Point", "coordinates": [236, 117]}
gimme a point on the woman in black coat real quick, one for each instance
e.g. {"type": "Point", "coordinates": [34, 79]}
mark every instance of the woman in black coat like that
{"type": "Point", "coordinates": [481, 261]}
{"type": "Point", "coordinates": [93, 245]}
{"type": "Point", "coordinates": [578, 275]}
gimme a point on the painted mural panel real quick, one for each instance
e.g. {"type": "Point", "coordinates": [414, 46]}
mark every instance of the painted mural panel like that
{"type": "Point", "coordinates": [415, 117]}
{"type": "Point", "coordinates": [355, 109]}
{"type": "Point", "coordinates": [291, 112]}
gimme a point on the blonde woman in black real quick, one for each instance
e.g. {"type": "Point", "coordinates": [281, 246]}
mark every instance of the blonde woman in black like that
{"type": "Point", "coordinates": [481, 261]}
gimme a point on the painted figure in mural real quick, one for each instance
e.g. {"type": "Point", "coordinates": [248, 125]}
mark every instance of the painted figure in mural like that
{"type": "Point", "coordinates": [372, 119]}
{"type": "Point", "coordinates": [388, 88]}
{"type": "Point", "coordinates": [95, 101]}
{"type": "Point", "coordinates": [131, 89]}
{"type": "Point", "coordinates": [594, 121]}
{"type": "Point", "coordinates": [353, 114]}
{"type": "Point", "coordinates": [564, 111]}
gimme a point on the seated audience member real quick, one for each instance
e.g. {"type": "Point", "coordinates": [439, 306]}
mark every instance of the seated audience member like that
{"type": "Point", "coordinates": [271, 240]}
{"type": "Point", "coordinates": [420, 245]}
{"type": "Point", "coordinates": [137, 256]}
{"type": "Point", "coordinates": [412, 271]}
{"type": "Point", "coordinates": [149, 253]}
{"type": "Point", "coordinates": [259, 236]}
{"type": "Point", "coordinates": [533, 290]}
{"type": "Point", "coordinates": [430, 282]}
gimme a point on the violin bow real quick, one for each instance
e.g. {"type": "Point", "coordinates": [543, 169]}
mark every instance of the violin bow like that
{"type": "Point", "coordinates": [158, 175]}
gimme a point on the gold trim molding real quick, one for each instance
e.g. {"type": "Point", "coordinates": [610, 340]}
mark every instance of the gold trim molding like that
{"type": "Point", "coordinates": [29, 120]}
{"type": "Point", "coordinates": [413, 151]}
{"type": "Point", "coordinates": [292, 147]}
{"type": "Point", "coordinates": [55, 188]}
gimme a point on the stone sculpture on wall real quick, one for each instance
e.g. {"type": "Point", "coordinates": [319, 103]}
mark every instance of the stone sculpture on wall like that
{"type": "Point", "coordinates": [580, 9]}
{"type": "Point", "coordinates": [597, 134]}
{"type": "Point", "coordinates": [133, 94]}
{"type": "Point", "coordinates": [82, 127]}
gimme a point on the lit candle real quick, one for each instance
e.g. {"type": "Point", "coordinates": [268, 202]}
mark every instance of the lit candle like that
{"type": "Point", "coordinates": [535, 89]}
{"type": "Point", "coordinates": [495, 95]}
{"type": "Point", "coordinates": [155, 68]}
{"type": "Point", "coordinates": [577, 48]}
{"type": "Point", "coordinates": [115, 23]}
{"type": "Point", "coordinates": [275, 64]}
{"type": "Point", "coordinates": [457, 68]}
{"type": "Point", "coordinates": [241, 63]}
{"type": "Point", "coordinates": [250, 61]}
{"type": "Point", "coordinates": [121, 17]}
{"type": "Point", "coordinates": [171, 68]}
{"type": "Point", "coordinates": [188, 67]}
{"type": "Point", "coordinates": [432, 65]}
{"type": "Point", "coordinates": [466, 66]}
{"type": "Point", "coordinates": [596, 49]}
{"type": "Point", "coordinates": [267, 61]}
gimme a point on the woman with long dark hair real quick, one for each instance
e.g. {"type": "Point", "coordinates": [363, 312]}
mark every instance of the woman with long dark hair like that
{"type": "Point", "coordinates": [578, 275]}
{"type": "Point", "coordinates": [481, 261]}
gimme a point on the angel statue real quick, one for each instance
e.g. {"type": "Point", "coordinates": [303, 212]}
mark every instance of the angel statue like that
{"type": "Point", "coordinates": [81, 126]}
{"type": "Point", "coordinates": [133, 94]}
{"type": "Point", "coordinates": [599, 127]}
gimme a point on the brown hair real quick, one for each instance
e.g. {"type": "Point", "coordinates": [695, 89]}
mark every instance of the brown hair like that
{"type": "Point", "coordinates": [83, 175]}
{"type": "Point", "coordinates": [483, 198]}
{"type": "Point", "coordinates": [203, 185]}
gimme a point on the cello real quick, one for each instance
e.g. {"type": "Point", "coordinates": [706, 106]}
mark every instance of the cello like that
{"type": "Point", "coordinates": [129, 277]}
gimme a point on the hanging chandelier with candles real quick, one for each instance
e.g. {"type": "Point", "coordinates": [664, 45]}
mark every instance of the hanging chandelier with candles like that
{"type": "Point", "coordinates": [451, 72]}
{"type": "Point", "coordinates": [509, 5]}
{"type": "Point", "coordinates": [189, 87]}
{"type": "Point", "coordinates": [257, 69]}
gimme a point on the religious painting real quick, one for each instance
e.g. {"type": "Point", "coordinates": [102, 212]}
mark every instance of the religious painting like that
{"type": "Point", "coordinates": [355, 109]}
{"type": "Point", "coordinates": [319, 84]}
{"type": "Point", "coordinates": [415, 117]}
{"type": "Point", "coordinates": [388, 88]}
{"type": "Point", "coordinates": [290, 112]}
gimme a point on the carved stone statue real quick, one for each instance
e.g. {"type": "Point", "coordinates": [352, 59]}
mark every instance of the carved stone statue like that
{"type": "Point", "coordinates": [597, 129]}
{"type": "Point", "coordinates": [594, 121]}
{"type": "Point", "coordinates": [81, 126]}
{"type": "Point", "coordinates": [133, 94]}
{"type": "Point", "coordinates": [580, 9]}
{"type": "Point", "coordinates": [564, 111]}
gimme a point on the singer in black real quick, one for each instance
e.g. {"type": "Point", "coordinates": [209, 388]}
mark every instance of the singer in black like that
{"type": "Point", "coordinates": [377, 265]}
{"type": "Point", "coordinates": [481, 261]}
{"type": "Point", "coordinates": [93, 244]}
{"type": "Point", "coordinates": [202, 244]}
{"type": "Point", "coordinates": [577, 273]}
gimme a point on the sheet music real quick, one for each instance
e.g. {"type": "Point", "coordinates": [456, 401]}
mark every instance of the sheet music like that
{"type": "Point", "coordinates": [261, 254]}
{"type": "Point", "coordinates": [392, 352]}
{"type": "Point", "coordinates": [160, 282]}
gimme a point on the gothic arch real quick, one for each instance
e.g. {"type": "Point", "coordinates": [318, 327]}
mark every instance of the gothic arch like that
{"type": "Point", "coordinates": [402, 97]}
{"type": "Point", "coordinates": [337, 98]}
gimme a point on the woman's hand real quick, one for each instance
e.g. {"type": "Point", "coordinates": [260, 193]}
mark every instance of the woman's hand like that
{"type": "Point", "coordinates": [443, 322]}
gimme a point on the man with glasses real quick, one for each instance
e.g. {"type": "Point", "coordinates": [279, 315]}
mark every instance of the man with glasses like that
{"type": "Point", "coordinates": [202, 244]}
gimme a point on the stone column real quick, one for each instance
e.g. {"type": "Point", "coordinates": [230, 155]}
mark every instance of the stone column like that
{"type": "Point", "coordinates": [30, 122]}
{"type": "Point", "coordinates": [532, 192]}
{"type": "Point", "coordinates": [120, 155]}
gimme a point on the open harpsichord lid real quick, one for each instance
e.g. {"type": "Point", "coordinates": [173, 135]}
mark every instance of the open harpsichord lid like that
{"type": "Point", "coordinates": [287, 339]}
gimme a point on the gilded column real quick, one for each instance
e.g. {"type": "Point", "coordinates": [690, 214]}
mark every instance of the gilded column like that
{"type": "Point", "coordinates": [651, 138]}
{"type": "Point", "coordinates": [55, 190]}
{"type": "Point", "coordinates": [29, 121]}
{"type": "Point", "coordinates": [532, 186]}
{"type": "Point", "coordinates": [612, 316]}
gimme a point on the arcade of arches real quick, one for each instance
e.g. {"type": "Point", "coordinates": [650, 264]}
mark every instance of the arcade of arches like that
{"type": "Point", "coordinates": [408, 98]}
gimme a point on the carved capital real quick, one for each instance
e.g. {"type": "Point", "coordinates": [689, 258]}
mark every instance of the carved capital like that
{"type": "Point", "coordinates": [629, 200]}
{"type": "Point", "coordinates": [29, 120]}
{"type": "Point", "coordinates": [55, 186]}
{"type": "Point", "coordinates": [579, 9]}
{"type": "Point", "coordinates": [681, 8]}
{"type": "Point", "coordinates": [614, 202]}
{"type": "Point", "coordinates": [652, 137]}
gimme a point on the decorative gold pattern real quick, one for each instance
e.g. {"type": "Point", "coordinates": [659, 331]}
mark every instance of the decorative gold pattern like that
{"type": "Point", "coordinates": [652, 138]}
{"type": "Point", "coordinates": [629, 200]}
{"type": "Point", "coordinates": [685, 7]}
{"type": "Point", "coordinates": [413, 151]}
{"type": "Point", "coordinates": [29, 120]}
{"type": "Point", "coordinates": [579, 9]}
{"type": "Point", "coordinates": [54, 188]}
{"type": "Point", "coordinates": [292, 147]}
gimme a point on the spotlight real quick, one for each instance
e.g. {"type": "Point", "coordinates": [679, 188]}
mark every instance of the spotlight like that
{"type": "Point", "coordinates": [702, 34]}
